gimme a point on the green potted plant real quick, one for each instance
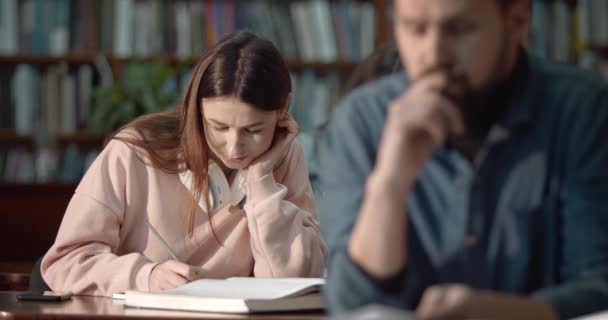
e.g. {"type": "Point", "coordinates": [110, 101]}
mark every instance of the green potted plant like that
{"type": "Point", "coordinates": [143, 88]}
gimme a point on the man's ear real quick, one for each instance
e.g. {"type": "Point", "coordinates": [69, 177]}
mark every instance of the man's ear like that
{"type": "Point", "coordinates": [285, 107]}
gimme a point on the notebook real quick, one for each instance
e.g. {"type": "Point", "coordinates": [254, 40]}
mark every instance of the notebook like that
{"type": "Point", "coordinates": [235, 295]}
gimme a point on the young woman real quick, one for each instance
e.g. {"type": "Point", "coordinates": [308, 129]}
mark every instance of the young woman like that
{"type": "Point", "coordinates": [221, 180]}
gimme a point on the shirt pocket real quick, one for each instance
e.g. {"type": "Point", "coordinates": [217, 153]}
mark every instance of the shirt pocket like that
{"type": "Point", "coordinates": [519, 206]}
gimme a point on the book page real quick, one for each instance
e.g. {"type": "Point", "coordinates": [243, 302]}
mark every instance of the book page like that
{"type": "Point", "coordinates": [248, 288]}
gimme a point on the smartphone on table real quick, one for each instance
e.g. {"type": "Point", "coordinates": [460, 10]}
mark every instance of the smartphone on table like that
{"type": "Point", "coordinates": [48, 296]}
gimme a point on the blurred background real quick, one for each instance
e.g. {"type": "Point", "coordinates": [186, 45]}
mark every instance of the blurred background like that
{"type": "Point", "coordinates": [72, 71]}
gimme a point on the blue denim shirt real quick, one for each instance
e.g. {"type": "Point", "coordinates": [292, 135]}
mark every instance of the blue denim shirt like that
{"type": "Point", "coordinates": [528, 216]}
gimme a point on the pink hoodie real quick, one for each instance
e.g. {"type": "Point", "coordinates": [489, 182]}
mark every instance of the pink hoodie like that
{"type": "Point", "coordinates": [104, 246]}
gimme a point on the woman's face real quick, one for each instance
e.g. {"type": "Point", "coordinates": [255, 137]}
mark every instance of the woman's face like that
{"type": "Point", "coordinates": [236, 132]}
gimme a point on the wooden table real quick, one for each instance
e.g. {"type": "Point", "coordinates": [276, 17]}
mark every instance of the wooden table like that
{"type": "Point", "coordinates": [82, 307]}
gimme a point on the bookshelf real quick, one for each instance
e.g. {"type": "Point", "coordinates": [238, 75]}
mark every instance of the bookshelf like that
{"type": "Point", "coordinates": [571, 31]}
{"type": "Point", "coordinates": [322, 41]}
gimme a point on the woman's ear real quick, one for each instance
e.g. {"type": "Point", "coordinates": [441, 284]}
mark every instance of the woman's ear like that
{"type": "Point", "coordinates": [285, 107]}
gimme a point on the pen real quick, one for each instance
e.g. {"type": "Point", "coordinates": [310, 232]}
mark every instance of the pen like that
{"type": "Point", "coordinates": [162, 241]}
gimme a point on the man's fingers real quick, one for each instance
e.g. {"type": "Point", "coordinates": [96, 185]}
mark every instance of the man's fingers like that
{"type": "Point", "coordinates": [434, 113]}
{"type": "Point", "coordinates": [451, 117]}
{"type": "Point", "coordinates": [444, 302]}
{"type": "Point", "coordinates": [447, 82]}
{"type": "Point", "coordinates": [449, 89]}
{"type": "Point", "coordinates": [456, 300]}
{"type": "Point", "coordinates": [430, 303]}
{"type": "Point", "coordinates": [443, 120]}
{"type": "Point", "coordinates": [435, 81]}
{"type": "Point", "coordinates": [437, 132]}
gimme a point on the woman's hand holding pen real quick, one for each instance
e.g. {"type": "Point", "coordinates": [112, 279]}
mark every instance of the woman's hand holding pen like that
{"type": "Point", "coordinates": [171, 274]}
{"type": "Point", "coordinates": [287, 130]}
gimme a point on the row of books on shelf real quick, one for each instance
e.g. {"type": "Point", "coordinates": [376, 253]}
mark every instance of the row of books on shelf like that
{"type": "Point", "coordinates": [313, 97]}
{"type": "Point", "coordinates": [24, 166]}
{"type": "Point", "coordinates": [50, 165]}
{"type": "Point", "coordinates": [323, 30]}
{"type": "Point", "coordinates": [56, 100]}
{"type": "Point", "coordinates": [561, 34]}
{"type": "Point", "coordinates": [45, 165]}
{"type": "Point", "coordinates": [552, 31]}
{"type": "Point", "coordinates": [593, 23]}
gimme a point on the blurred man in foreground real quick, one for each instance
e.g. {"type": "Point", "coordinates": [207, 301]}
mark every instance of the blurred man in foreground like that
{"type": "Point", "coordinates": [475, 184]}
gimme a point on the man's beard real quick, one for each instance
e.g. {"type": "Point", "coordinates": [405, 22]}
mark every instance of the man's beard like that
{"type": "Point", "coordinates": [479, 107]}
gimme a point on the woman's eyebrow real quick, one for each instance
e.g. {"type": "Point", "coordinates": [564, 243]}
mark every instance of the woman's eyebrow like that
{"type": "Point", "coordinates": [254, 124]}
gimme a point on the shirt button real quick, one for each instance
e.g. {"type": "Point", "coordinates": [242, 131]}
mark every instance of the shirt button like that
{"type": "Point", "coordinates": [471, 241]}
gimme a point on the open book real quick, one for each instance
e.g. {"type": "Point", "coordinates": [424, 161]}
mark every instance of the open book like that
{"type": "Point", "coordinates": [235, 295]}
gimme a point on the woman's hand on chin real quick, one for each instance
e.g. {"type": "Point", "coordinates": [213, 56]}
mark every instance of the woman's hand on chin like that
{"type": "Point", "coordinates": [287, 130]}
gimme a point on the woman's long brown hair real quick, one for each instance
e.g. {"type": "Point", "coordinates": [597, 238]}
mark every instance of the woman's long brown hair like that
{"type": "Point", "coordinates": [242, 65]}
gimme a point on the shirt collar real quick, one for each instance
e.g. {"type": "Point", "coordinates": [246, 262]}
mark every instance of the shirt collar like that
{"type": "Point", "coordinates": [519, 109]}
{"type": "Point", "coordinates": [520, 103]}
